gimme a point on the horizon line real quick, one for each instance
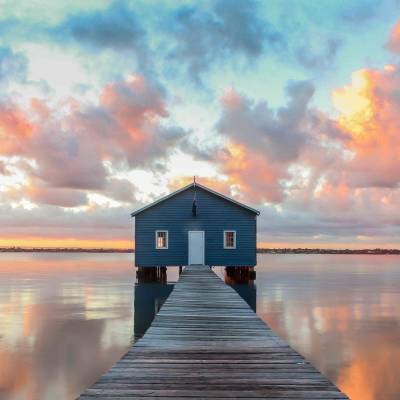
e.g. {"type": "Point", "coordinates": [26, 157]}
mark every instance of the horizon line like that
{"type": "Point", "coordinates": [129, 249]}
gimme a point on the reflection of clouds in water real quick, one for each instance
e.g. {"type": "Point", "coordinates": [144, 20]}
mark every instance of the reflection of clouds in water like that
{"type": "Point", "coordinates": [71, 351]}
{"type": "Point", "coordinates": [65, 321]}
{"type": "Point", "coordinates": [66, 357]}
{"type": "Point", "coordinates": [373, 371]}
{"type": "Point", "coordinates": [15, 374]}
{"type": "Point", "coordinates": [342, 313]}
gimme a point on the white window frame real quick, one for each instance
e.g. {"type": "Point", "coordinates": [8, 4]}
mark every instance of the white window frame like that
{"type": "Point", "coordinates": [234, 240]}
{"type": "Point", "coordinates": [167, 239]}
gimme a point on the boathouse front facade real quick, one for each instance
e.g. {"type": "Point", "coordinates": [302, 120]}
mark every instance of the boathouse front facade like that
{"type": "Point", "coordinates": [195, 225]}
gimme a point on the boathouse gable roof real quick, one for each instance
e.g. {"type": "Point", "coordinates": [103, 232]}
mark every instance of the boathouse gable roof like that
{"type": "Point", "coordinates": [194, 185]}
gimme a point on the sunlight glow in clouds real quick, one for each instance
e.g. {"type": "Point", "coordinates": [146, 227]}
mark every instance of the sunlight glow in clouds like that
{"type": "Point", "coordinates": [105, 108]}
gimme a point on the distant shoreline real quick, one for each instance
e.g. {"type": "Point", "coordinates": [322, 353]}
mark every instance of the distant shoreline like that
{"type": "Point", "coordinates": [376, 251]}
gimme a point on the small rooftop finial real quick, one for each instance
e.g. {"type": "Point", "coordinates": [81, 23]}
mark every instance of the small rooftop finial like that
{"type": "Point", "coordinates": [194, 179]}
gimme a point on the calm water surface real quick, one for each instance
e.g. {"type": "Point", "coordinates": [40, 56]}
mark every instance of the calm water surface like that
{"type": "Point", "coordinates": [66, 318]}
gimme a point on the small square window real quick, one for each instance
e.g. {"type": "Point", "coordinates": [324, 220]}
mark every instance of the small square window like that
{"type": "Point", "coordinates": [229, 239]}
{"type": "Point", "coordinates": [161, 239]}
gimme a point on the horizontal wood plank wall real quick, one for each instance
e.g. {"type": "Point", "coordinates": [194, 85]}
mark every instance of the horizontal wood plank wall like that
{"type": "Point", "coordinates": [207, 343]}
{"type": "Point", "coordinates": [214, 215]}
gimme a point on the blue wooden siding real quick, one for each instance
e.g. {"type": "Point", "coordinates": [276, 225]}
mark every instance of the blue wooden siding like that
{"type": "Point", "coordinates": [214, 215]}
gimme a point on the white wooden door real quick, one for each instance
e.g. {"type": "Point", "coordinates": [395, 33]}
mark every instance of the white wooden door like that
{"type": "Point", "coordinates": [196, 248]}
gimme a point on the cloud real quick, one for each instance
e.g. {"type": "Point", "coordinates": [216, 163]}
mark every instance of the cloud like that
{"type": "Point", "coordinates": [278, 132]}
{"type": "Point", "coordinates": [314, 175]}
{"type": "Point", "coordinates": [321, 58]}
{"type": "Point", "coordinates": [354, 173]}
{"type": "Point", "coordinates": [47, 221]}
{"type": "Point", "coordinates": [393, 43]}
{"type": "Point", "coordinates": [203, 37]}
{"type": "Point", "coordinates": [69, 146]}
{"type": "Point", "coordinates": [121, 190]}
{"type": "Point", "coordinates": [128, 122]}
{"type": "Point", "coordinates": [3, 168]}
{"type": "Point", "coordinates": [359, 11]}
{"type": "Point", "coordinates": [324, 175]}
{"type": "Point", "coordinates": [115, 28]}
{"type": "Point", "coordinates": [13, 65]}
{"type": "Point", "coordinates": [58, 197]}
{"type": "Point", "coordinates": [268, 151]}
{"type": "Point", "coordinates": [369, 115]}
{"type": "Point", "coordinates": [15, 128]}
{"type": "Point", "coordinates": [112, 27]}
{"type": "Point", "coordinates": [262, 142]}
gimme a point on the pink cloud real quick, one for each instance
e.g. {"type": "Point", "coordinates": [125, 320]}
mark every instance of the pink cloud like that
{"type": "Point", "coordinates": [393, 43]}
{"type": "Point", "coordinates": [263, 143]}
{"type": "Point", "coordinates": [70, 143]}
{"type": "Point", "coordinates": [15, 129]}
{"type": "Point", "coordinates": [55, 196]}
{"type": "Point", "coordinates": [3, 168]}
{"type": "Point", "coordinates": [369, 115]}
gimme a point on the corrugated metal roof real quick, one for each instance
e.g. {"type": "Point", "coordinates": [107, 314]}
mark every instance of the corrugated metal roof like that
{"type": "Point", "coordinates": [194, 184]}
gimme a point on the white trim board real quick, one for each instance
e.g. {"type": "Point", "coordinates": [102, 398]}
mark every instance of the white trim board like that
{"type": "Point", "coordinates": [234, 239]}
{"type": "Point", "coordinates": [155, 233]}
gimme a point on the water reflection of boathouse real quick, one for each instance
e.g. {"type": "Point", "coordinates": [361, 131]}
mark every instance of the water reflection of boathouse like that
{"type": "Point", "coordinates": [152, 289]}
{"type": "Point", "coordinates": [242, 279]}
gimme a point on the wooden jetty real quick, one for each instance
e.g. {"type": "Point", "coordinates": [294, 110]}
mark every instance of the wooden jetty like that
{"type": "Point", "coordinates": [207, 343]}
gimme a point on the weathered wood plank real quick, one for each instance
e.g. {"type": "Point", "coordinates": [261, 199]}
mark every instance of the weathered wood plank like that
{"type": "Point", "coordinates": [206, 342]}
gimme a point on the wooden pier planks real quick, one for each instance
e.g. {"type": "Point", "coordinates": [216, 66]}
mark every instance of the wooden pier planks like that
{"type": "Point", "coordinates": [207, 343]}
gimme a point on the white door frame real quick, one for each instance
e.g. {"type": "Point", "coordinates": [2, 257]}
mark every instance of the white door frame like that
{"type": "Point", "coordinates": [204, 246]}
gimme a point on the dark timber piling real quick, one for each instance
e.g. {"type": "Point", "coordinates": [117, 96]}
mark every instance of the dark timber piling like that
{"type": "Point", "coordinates": [206, 342]}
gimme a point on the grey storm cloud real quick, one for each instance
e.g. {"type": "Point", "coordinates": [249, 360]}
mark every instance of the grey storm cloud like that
{"type": "Point", "coordinates": [203, 37]}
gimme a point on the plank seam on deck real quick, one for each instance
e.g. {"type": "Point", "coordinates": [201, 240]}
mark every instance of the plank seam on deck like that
{"type": "Point", "coordinates": [206, 342]}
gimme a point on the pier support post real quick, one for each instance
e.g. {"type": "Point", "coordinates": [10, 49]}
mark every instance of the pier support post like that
{"type": "Point", "coordinates": [151, 274]}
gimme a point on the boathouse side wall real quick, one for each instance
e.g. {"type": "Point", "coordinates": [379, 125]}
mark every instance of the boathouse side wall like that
{"type": "Point", "coordinates": [214, 215]}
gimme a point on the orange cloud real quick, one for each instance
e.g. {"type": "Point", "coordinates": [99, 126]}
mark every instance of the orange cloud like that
{"type": "Point", "coordinates": [393, 43]}
{"type": "Point", "coordinates": [68, 144]}
{"type": "Point", "coordinates": [55, 196]}
{"type": "Point", "coordinates": [250, 174]}
{"type": "Point", "coordinates": [262, 143]}
{"type": "Point", "coordinates": [135, 105]}
{"type": "Point", "coordinates": [247, 175]}
{"type": "Point", "coordinates": [40, 108]}
{"type": "Point", "coordinates": [15, 128]}
{"type": "Point", "coordinates": [368, 114]}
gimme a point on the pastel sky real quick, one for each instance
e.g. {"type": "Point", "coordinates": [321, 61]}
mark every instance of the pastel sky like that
{"type": "Point", "coordinates": [290, 106]}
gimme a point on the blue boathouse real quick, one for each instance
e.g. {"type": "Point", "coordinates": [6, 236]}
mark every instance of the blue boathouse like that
{"type": "Point", "coordinates": [195, 225]}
